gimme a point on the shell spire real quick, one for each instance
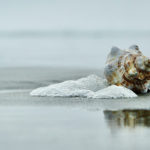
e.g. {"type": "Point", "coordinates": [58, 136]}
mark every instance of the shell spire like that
{"type": "Point", "coordinates": [128, 68]}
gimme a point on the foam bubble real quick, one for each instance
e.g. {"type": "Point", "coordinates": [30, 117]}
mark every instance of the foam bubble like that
{"type": "Point", "coordinates": [113, 91]}
{"type": "Point", "coordinates": [90, 87]}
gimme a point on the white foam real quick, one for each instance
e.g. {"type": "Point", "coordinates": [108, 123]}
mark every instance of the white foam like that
{"type": "Point", "coordinates": [90, 87]}
{"type": "Point", "coordinates": [113, 91]}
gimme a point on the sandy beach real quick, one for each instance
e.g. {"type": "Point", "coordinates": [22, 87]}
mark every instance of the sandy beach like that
{"type": "Point", "coordinates": [67, 123]}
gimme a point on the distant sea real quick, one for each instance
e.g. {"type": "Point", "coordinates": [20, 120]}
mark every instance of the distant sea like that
{"type": "Point", "coordinates": [71, 48]}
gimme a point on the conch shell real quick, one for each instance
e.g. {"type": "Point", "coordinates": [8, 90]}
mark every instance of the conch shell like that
{"type": "Point", "coordinates": [128, 68]}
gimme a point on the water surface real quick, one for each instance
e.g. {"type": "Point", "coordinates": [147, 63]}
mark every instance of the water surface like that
{"type": "Point", "coordinates": [67, 123]}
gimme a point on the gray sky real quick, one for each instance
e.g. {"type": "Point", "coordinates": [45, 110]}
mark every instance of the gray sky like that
{"type": "Point", "coordinates": [74, 14]}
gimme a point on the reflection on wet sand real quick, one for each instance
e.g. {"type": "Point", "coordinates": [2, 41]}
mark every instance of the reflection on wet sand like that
{"type": "Point", "coordinates": [127, 118]}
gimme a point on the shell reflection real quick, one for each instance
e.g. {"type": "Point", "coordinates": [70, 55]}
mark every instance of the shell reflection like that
{"type": "Point", "coordinates": [127, 118]}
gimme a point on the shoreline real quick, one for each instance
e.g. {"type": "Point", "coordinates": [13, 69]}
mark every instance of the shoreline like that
{"type": "Point", "coordinates": [17, 83]}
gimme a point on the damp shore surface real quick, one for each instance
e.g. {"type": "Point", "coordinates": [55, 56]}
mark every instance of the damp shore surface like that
{"type": "Point", "coordinates": [56, 123]}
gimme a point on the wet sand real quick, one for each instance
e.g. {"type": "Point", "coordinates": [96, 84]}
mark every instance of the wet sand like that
{"type": "Point", "coordinates": [45, 123]}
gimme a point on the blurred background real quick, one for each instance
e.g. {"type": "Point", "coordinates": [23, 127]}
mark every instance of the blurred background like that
{"type": "Point", "coordinates": [70, 33]}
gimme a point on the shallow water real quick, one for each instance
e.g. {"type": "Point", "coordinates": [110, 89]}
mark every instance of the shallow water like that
{"type": "Point", "coordinates": [45, 127]}
{"type": "Point", "coordinates": [67, 123]}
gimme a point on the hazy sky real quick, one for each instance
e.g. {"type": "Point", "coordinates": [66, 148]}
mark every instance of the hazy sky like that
{"type": "Point", "coordinates": [84, 51]}
{"type": "Point", "coordinates": [74, 14]}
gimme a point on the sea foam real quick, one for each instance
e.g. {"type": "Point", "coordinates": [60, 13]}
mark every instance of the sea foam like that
{"type": "Point", "coordinates": [90, 87]}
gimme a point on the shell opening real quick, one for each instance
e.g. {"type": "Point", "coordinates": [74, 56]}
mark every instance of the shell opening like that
{"type": "Point", "coordinates": [147, 62]}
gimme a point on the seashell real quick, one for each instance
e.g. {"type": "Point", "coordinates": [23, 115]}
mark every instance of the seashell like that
{"type": "Point", "coordinates": [128, 68]}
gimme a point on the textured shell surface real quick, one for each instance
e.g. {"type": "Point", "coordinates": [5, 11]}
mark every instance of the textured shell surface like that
{"type": "Point", "coordinates": [128, 68]}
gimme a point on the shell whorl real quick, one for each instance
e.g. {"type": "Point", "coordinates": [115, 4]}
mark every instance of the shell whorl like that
{"type": "Point", "coordinates": [129, 68]}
